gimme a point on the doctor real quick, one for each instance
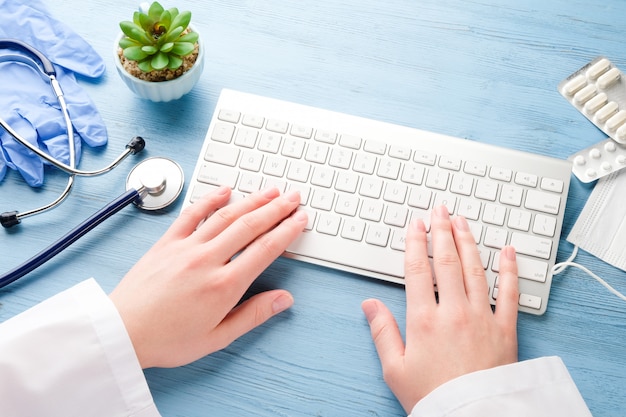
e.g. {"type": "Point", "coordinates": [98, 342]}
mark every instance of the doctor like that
{"type": "Point", "coordinates": [179, 303]}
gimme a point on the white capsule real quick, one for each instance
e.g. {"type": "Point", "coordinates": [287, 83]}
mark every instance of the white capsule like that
{"type": "Point", "coordinates": [591, 172]}
{"type": "Point", "coordinates": [620, 135]}
{"type": "Point", "coordinates": [621, 159]}
{"type": "Point", "coordinates": [609, 78]}
{"type": "Point", "coordinates": [595, 103]}
{"type": "Point", "coordinates": [606, 166]}
{"type": "Point", "coordinates": [585, 94]}
{"type": "Point", "coordinates": [580, 160]}
{"type": "Point", "coordinates": [574, 85]}
{"type": "Point", "coordinates": [607, 111]}
{"type": "Point", "coordinates": [617, 120]}
{"type": "Point", "coordinates": [598, 68]}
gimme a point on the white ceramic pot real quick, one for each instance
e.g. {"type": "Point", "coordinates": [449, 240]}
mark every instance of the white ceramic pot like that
{"type": "Point", "coordinates": [161, 90]}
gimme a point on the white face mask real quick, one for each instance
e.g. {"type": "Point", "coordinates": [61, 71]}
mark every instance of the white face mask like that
{"type": "Point", "coordinates": [601, 227]}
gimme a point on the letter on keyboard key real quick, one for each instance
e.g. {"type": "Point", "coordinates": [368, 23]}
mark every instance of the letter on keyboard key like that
{"type": "Point", "coordinates": [531, 245]}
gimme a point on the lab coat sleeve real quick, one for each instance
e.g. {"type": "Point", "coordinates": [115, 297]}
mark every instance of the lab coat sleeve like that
{"type": "Point", "coordinates": [71, 356]}
{"type": "Point", "coordinates": [540, 388]}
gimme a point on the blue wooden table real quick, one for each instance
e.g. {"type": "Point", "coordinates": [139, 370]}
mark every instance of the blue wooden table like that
{"type": "Point", "coordinates": [482, 70]}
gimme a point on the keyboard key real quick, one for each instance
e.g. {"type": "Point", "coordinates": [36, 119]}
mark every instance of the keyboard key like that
{"type": "Point", "coordinates": [377, 235]}
{"type": "Point", "coordinates": [526, 268]}
{"type": "Point", "coordinates": [376, 147]}
{"type": "Point", "coordinates": [349, 141]}
{"type": "Point", "coordinates": [486, 190]}
{"type": "Point", "coordinates": [229, 116]}
{"type": "Point", "coordinates": [223, 132]}
{"type": "Point", "coordinates": [495, 237]}
{"type": "Point", "coordinates": [221, 154]}
{"type": "Point", "coordinates": [541, 201]}
{"type": "Point", "coordinates": [277, 126]}
{"type": "Point", "coordinates": [328, 224]}
{"type": "Point", "coordinates": [531, 301]}
{"type": "Point", "coordinates": [353, 229]}
{"type": "Point", "coordinates": [550, 184]}
{"type": "Point", "coordinates": [531, 245]}
{"type": "Point", "coordinates": [501, 174]}
{"type": "Point", "coordinates": [253, 120]}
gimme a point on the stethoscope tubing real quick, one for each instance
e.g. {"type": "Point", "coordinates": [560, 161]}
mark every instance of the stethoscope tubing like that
{"type": "Point", "coordinates": [72, 236]}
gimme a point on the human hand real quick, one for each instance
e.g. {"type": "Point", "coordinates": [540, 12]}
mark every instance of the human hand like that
{"type": "Point", "coordinates": [459, 334]}
{"type": "Point", "coordinates": [179, 302]}
{"type": "Point", "coordinates": [27, 102]}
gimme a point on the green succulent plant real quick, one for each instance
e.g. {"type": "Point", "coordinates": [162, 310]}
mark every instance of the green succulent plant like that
{"type": "Point", "coordinates": [158, 39]}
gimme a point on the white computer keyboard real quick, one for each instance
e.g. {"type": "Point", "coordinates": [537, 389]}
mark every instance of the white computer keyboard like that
{"type": "Point", "coordinates": [362, 181]}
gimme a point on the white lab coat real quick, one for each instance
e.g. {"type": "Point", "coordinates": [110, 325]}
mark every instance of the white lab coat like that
{"type": "Point", "coordinates": [71, 356]}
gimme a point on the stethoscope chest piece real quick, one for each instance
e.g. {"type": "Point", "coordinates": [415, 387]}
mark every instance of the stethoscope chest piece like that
{"type": "Point", "coordinates": [158, 180]}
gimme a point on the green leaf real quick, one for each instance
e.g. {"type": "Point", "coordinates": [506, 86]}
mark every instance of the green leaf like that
{"type": "Point", "coordinates": [167, 47]}
{"type": "Point", "coordinates": [127, 43]}
{"type": "Point", "coordinates": [145, 66]}
{"type": "Point", "coordinates": [173, 35]}
{"type": "Point", "coordinates": [159, 61]}
{"type": "Point", "coordinates": [135, 53]}
{"type": "Point", "coordinates": [175, 62]}
{"type": "Point", "coordinates": [165, 20]}
{"type": "Point", "coordinates": [149, 49]}
{"type": "Point", "coordinates": [155, 11]}
{"type": "Point", "coordinates": [135, 32]}
{"type": "Point", "coordinates": [136, 17]}
{"type": "Point", "coordinates": [182, 48]}
{"type": "Point", "coordinates": [174, 12]}
{"type": "Point", "coordinates": [191, 37]}
{"type": "Point", "coordinates": [182, 20]}
{"type": "Point", "coordinates": [145, 22]}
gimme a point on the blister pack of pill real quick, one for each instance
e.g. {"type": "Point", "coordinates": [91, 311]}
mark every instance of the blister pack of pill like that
{"type": "Point", "coordinates": [598, 91]}
{"type": "Point", "coordinates": [598, 160]}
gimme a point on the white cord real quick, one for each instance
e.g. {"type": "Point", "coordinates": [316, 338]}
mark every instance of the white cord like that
{"type": "Point", "coordinates": [560, 267]}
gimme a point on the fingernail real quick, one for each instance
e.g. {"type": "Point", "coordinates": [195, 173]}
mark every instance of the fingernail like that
{"type": "Point", "coordinates": [282, 303]}
{"type": "Point", "coordinates": [292, 196]}
{"type": "Point", "coordinates": [509, 252]}
{"type": "Point", "coordinates": [300, 216]}
{"type": "Point", "coordinates": [442, 211]}
{"type": "Point", "coordinates": [461, 224]}
{"type": "Point", "coordinates": [370, 308]}
{"type": "Point", "coordinates": [222, 190]}
{"type": "Point", "coordinates": [418, 225]}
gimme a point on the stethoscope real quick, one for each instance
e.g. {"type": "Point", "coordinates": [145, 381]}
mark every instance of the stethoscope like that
{"type": "Point", "coordinates": [152, 184]}
{"type": "Point", "coordinates": [43, 66]}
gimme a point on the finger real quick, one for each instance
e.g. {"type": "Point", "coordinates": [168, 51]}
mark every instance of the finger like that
{"type": "Point", "coordinates": [248, 315]}
{"type": "Point", "coordinates": [252, 261]}
{"type": "Point", "coordinates": [385, 333]}
{"type": "Point", "coordinates": [226, 216]}
{"type": "Point", "coordinates": [473, 272]}
{"type": "Point", "coordinates": [247, 228]}
{"type": "Point", "coordinates": [418, 276]}
{"type": "Point", "coordinates": [192, 215]}
{"type": "Point", "coordinates": [446, 262]}
{"type": "Point", "coordinates": [508, 293]}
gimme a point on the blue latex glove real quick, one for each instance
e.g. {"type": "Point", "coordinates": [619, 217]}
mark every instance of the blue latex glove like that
{"type": "Point", "coordinates": [27, 102]}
